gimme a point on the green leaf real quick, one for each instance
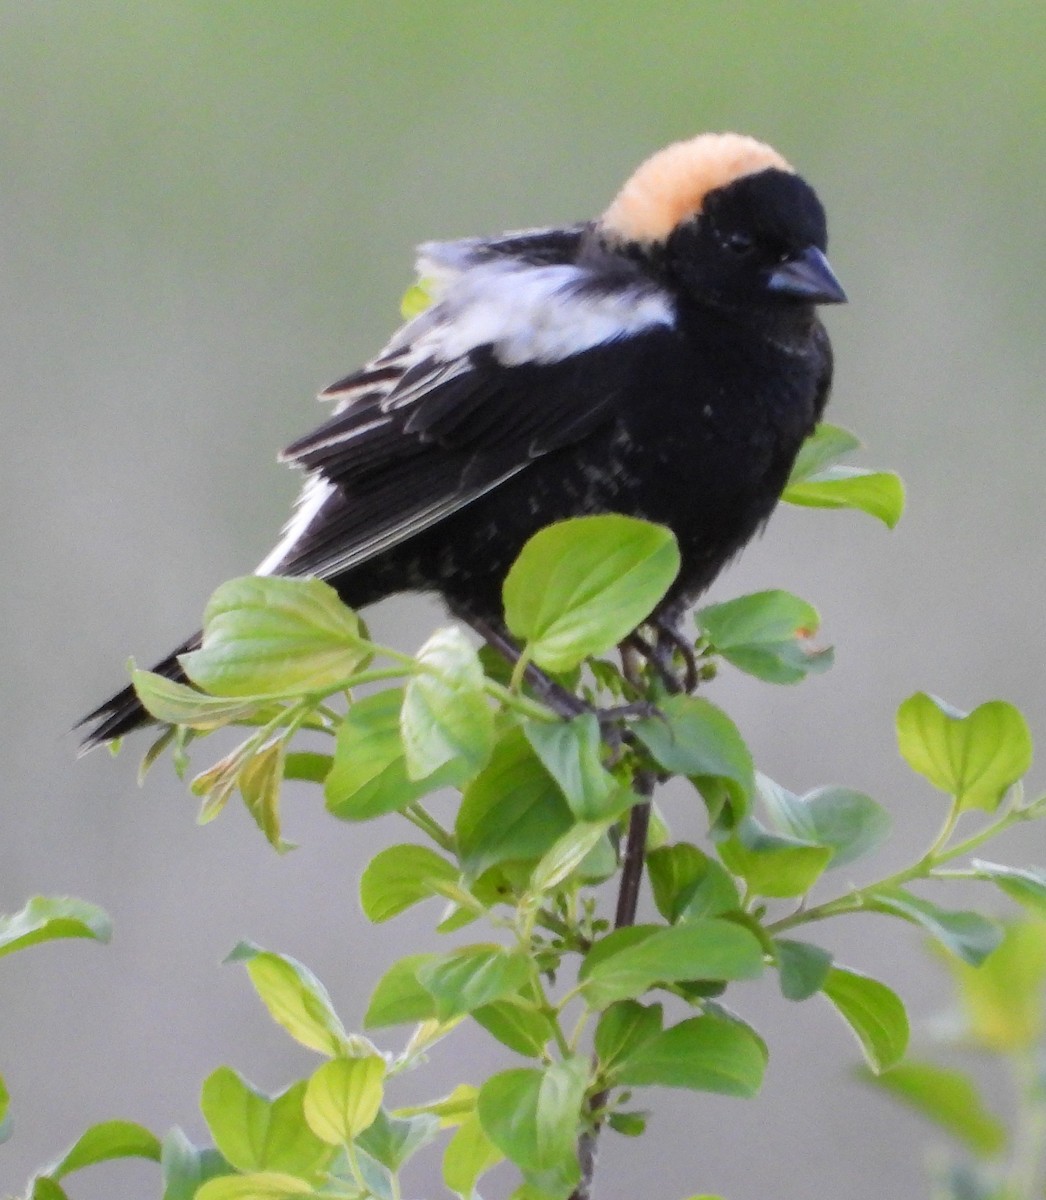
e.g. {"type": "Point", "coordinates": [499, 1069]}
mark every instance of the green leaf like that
{"type": "Point", "coordinates": [567, 855]}
{"type": "Point", "coordinates": [533, 1116]}
{"type": "Point", "coordinates": [850, 823]}
{"type": "Point", "coordinates": [343, 1097]}
{"type": "Point", "coordinates": [5, 1119]}
{"type": "Point", "coordinates": [1002, 999]}
{"type": "Point", "coordinates": [307, 765]}
{"type": "Point", "coordinates": [950, 1099]}
{"type": "Point", "coordinates": [260, 778]}
{"type": "Point", "coordinates": [262, 1185]}
{"type": "Point", "coordinates": [764, 634]}
{"type": "Point", "coordinates": [975, 758]}
{"type": "Point", "coordinates": [471, 977]}
{"type": "Point", "coordinates": [803, 968]}
{"type": "Point", "coordinates": [571, 752]}
{"type": "Point", "coordinates": [369, 775]}
{"type": "Point", "coordinates": [517, 1025]}
{"type": "Point", "coordinates": [256, 1132]}
{"type": "Point", "coordinates": [391, 1141]}
{"type": "Point", "coordinates": [705, 948]}
{"type": "Point", "coordinates": [967, 934]}
{"type": "Point", "coordinates": [48, 918]}
{"type": "Point", "coordinates": [294, 997]}
{"type": "Point", "coordinates": [623, 1029]}
{"type": "Point", "coordinates": [105, 1141]}
{"type": "Point", "coordinates": [704, 1054]}
{"type": "Point", "coordinates": [398, 998]}
{"type": "Point", "coordinates": [1026, 885]}
{"type": "Point", "coordinates": [874, 1013]}
{"type": "Point", "coordinates": [185, 1167]}
{"type": "Point", "coordinates": [688, 884]}
{"type": "Point", "coordinates": [468, 1155]}
{"type": "Point", "coordinates": [46, 1189]}
{"type": "Point", "coordinates": [401, 876]}
{"type": "Point", "coordinates": [511, 811]}
{"type": "Point", "coordinates": [446, 718]}
{"type": "Point", "coordinates": [275, 636]}
{"type": "Point", "coordinates": [878, 493]}
{"type": "Point", "coordinates": [177, 704]}
{"type": "Point", "coordinates": [631, 1124]}
{"type": "Point", "coordinates": [772, 865]}
{"type": "Point", "coordinates": [580, 586]}
{"type": "Point", "coordinates": [824, 447]}
{"type": "Point", "coordinates": [692, 737]}
{"type": "Point", "coordinates": [416, 299]}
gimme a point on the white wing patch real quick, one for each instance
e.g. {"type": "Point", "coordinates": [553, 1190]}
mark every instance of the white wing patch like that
{"type": "Point", "coordinates": [313, 495]}
{"type": "Point", "coordinates": [530, 314]}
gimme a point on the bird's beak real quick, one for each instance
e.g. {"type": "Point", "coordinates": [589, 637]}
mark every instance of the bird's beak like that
{"type": "Point", "coordinates": [807, 277]}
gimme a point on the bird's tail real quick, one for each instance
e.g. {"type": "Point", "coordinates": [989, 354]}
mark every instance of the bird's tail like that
{"type": "Point", "coordinates": [123, 712]}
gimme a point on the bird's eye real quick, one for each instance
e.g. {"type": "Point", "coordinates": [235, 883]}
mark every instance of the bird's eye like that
{"type": "Point", "coordinates": [739, 243]}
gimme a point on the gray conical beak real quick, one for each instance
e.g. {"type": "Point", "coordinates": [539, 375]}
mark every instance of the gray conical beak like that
{"type": "Point", "coordinates": [807, 277]}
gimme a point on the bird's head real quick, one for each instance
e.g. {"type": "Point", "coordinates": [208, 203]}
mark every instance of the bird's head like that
{"type": "Point", "coordinates": [728, 221]}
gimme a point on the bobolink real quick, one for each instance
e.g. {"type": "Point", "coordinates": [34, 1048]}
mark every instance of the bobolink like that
{"type": "Point", "coordinates": [664, 361]}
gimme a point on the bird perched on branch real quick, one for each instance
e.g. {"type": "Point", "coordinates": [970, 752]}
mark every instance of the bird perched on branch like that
{"type": "Point", "coordinates": [664, 361]}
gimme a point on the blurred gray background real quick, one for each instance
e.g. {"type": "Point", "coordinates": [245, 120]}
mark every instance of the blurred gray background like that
{"type": "Point", "coordinates": [207, 212]}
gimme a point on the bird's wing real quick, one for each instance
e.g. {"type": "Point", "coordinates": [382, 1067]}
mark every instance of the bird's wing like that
{"type": "Point", "coordinates": [462, 398]}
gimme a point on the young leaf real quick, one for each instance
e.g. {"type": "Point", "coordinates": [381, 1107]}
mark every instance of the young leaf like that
{"type": "Point", "coordinates": [764, 634]}
{"type": "Point", "coordinates": [343, 1097]}
{"type": "Point", "coordinates": [772, 865]}
{"type": "Point", "coordinates": [47, 918]}
{"type": "Point", "coordinates": [260, 778]}
{"type": "Point", "coordinates": [688, 884]}
{"type": "Point", "coordinates": [623, 1029]}
{"type": "Point", "coordinates": [294, 997]}
{"type": "Point", "coordinates": [185, 1167]}
{"type": "Point", "coordinates": [255, 1132]}
{"type": "Point", "coordinates": [369, 775]}
{"type": "Point", "coordinates": [275, 636]}
{"type": "Point", "coordinates": [45, 1188]}
{"type": "Point", "coordinates": [105, 1141]}
{"type": "Point", "coordinates": [416, 299]}
{"type": "Point", "coordinates": [803, 968]}
{"type": "Point", "coordinates": [517, 1025]}
{"type": "Point", "coordinates": [1002, 999]}
{"type": "Point", "coordinates": [966, 934]}
{"type": "Point", "coordinates": [391, 1141]}
{"type": "Point", "coordinates": [446, 717]}
{"type": "Point", "coordinates": [705, 1054]}
{"type": "Point", "coordinates": [567, 855]}
{"type": "Point", "coordinates": [468, 1155]}
{"type": "Point", "coordinates": [511, 811]}
{"type": "Point", "coordinates": [450, 1110]}
{"type": "Point", "coordinates": [307, 765]}
{"type": "Point", "coordinates": [850, 823]}
{"type": "Point", "coordinates": [950, 1099]}
{"type": "Point", "coordinates": [874, 1013]}
{"type": "Point", "coordinates": [692, 737]}
{"type": "Point", "coordinates": [533, 1116]}
{"type": "Point", "coordinates": [1026, 885]}
{"type": "Point", "coordinates": [975, 758]}
{"type": "Point", "coordinates": [177, 704]}
{"type": "Point", "coordinates": [398, 998]}
{"type": "Point", "coordinates": [705, 948]}
{"type": "Point", "coordinates": [571, 753]}
{"type": "Point", "coordinates": [401, 876]}
{"type": "Point", "coordinates": [471, 977]}
{"type": "Point", "coordinates": [580, 586]}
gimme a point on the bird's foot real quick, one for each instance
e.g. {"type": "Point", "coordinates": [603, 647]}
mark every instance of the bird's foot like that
{"type": "Point", "coordinates": [660, 654]}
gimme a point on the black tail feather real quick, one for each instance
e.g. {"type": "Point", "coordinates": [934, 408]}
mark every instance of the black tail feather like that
{"type": "Point", "coordinates": [123, 713]}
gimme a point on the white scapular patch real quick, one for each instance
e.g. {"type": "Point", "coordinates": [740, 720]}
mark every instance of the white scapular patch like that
{"type": "Point", "coordinates": [531, 314]}
{"type": "Point", "coordinates": [313, 495]}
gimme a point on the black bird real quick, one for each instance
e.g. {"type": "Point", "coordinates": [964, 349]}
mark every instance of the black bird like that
{"type": "Point", "coordinates": [664, 361]}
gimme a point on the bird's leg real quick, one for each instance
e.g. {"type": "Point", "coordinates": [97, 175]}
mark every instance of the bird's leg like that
{"type": "Point", "coordinates": [562, 702]}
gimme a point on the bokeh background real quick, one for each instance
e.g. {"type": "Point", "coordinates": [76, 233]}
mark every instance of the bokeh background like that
{"type": "Point", "coordinates": [207, 212]}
